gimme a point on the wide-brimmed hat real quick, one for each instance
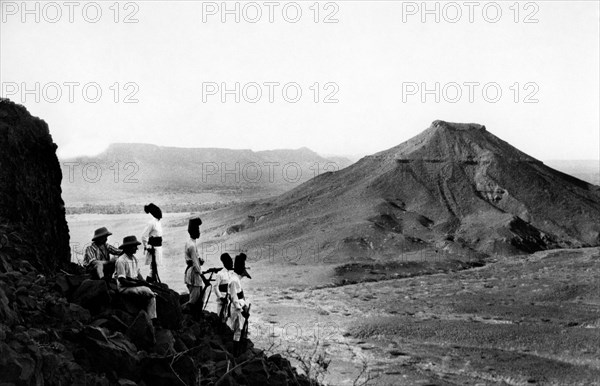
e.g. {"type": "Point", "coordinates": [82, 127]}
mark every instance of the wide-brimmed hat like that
{"type": "Point", "coordinates": [239, 266]}
{"type": "Point", "coordinates": [100, 232]}
{"type": "Point", "coordinates": [129, 240]}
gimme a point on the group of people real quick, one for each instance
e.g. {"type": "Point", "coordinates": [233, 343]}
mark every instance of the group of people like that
{"type": "Point", "coordinates": [100, 258]}
{"type": "Point", "coordinates": [104, 261]}
{"type": "Point", "coordinates": [232, 306]}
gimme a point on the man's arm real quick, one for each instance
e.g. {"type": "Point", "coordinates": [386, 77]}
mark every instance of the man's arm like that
{"type": "Point", "coordinates": [112, 250]}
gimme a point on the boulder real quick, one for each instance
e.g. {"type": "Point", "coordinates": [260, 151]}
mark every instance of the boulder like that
{"type": "Point", "coordinates": [126, 382]}
{"type": "Point", "coordinates": [61, 284]}
{"type": "Point", "coordinates": [165, 342]}
{"type": "Point", "coordinates": [7, 314]}
{"type": "Point", "coordinates": [179, 345]}
{"type": "Point", "coordinates": [280, 378]}
{"type": "Point", "coordinates": [279, 361]}
{"type": "Point", "coordinates": [111, 353]}
{"type": "Point", "coordinates": [168, 308]}
{"type": "Point", "coordinates": [26, 302]}
{"type": "Point", "coordinates": [17, 366]}
{"type": "Point", "coordinates": [256, 372]}
{"type": "Point", "coordinates": [158, 371]}
{"type": "Point", "coordinates": [76, 280]}
{"type": "Point", "coordinates": [67, 312]}
{"type": "Point", "coordinates": [92, 294]}
{"type": "Point", "coordinates": [141, 331]}
{"type": "Point", "coordinates": [59, 369]}
{"type": "Point", "coordinates": [111, 323]}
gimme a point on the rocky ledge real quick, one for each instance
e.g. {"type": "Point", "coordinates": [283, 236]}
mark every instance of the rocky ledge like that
{"type": "Point", "coordinates": [66, 329]}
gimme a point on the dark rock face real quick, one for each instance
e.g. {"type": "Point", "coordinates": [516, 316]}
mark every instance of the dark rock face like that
{"type": "Point", "coordinates": [31, 208]}
{"type": "Point", "coordinates": [168, 307]}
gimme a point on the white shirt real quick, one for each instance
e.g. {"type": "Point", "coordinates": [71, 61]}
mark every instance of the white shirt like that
{"type": "Point", "coordinates": [127, 267]}
{"type": "Point", "coordinates": [153, 229]}
{"type": "Point", "coordinates": [223, 277]}
{"type": "Point", "coordinates": [192, 274]}
{"type": "Point", "coordinates": [234, 287]}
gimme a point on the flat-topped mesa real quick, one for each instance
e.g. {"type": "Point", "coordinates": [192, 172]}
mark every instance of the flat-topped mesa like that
{"type": "Point", "coordinates": [439, 124]}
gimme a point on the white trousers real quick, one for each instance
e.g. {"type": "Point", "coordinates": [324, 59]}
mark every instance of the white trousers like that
{"type": "Point", "coordinates": [236, 322]}
{"type": "Point", "coordinates": [144, 292]}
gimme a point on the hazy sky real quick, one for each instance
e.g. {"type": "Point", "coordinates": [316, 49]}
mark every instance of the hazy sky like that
{"type": "Point", "coordinates": [373, 60]}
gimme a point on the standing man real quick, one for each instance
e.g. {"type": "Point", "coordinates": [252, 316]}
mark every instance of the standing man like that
{"type": "Point", "coordinates": [152, 240]}
{"type": "Point", "coordinates": [221, 286]}
{"type": "Point", "coordinates": [239, 305]}
{"type": "Point", "coordinates": [193, 260]}
{"type": "Point", "coordinates": [97, 260]}
{"type": "Point", "coordinates": [129, 278]}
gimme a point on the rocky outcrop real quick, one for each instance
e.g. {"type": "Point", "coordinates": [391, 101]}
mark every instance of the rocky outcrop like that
{"type": "Point", "coordinates": [47, 339]}
{"type": "Point", "coordinates": [247, 223]}
{"type": "Point", "coordinates": [32, 214]}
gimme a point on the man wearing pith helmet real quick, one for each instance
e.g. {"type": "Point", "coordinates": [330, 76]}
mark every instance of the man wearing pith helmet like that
{"type": "Point", "coordinates": [97, 259]}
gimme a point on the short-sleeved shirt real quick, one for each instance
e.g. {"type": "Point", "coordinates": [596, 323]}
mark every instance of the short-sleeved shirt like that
{"type": "Point", "coordinates": [126, 266]}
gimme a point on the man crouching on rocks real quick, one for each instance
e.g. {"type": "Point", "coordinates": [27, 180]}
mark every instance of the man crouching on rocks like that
{"type": "Point", "coordinates": [238, 306]}
{"type": "Point", "coordinates": [129, 277]}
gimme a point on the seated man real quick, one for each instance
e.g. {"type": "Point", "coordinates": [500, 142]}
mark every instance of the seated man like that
{"type": "Point", "coordinates": [97, 260]}
{"type": "Point", "coordinates": [129, 278]}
